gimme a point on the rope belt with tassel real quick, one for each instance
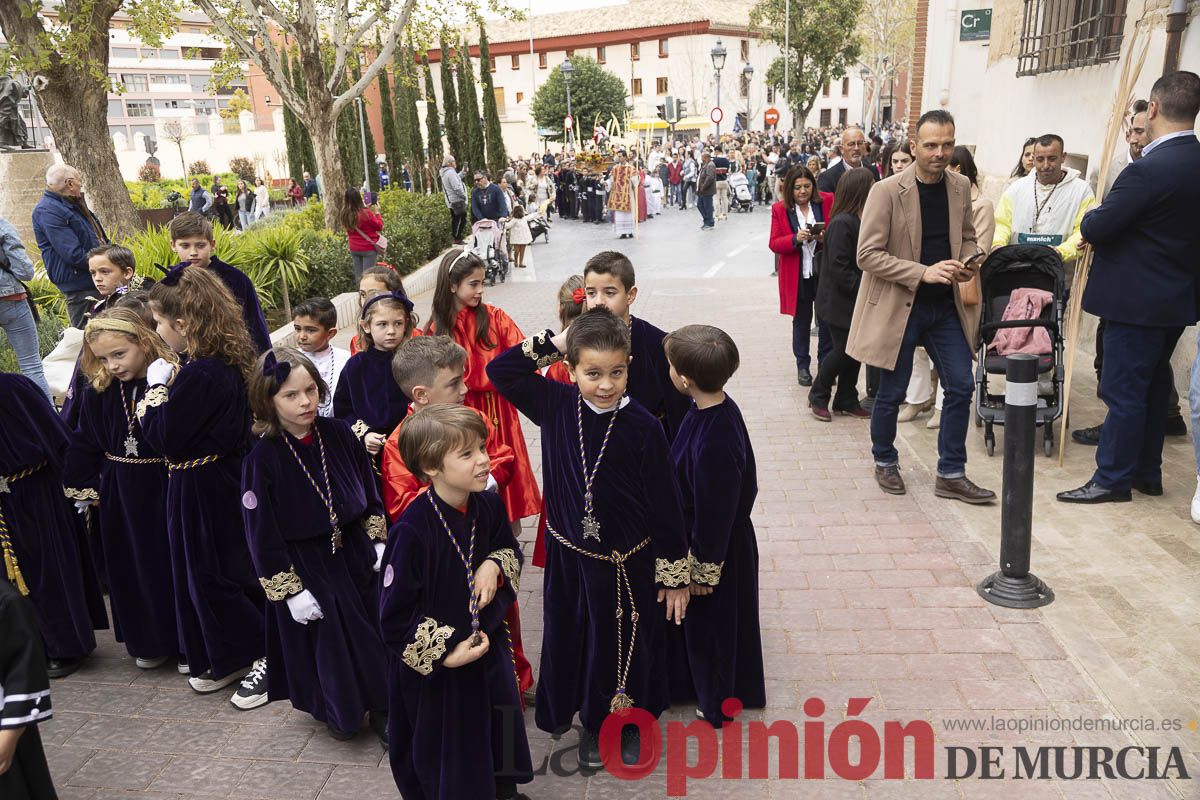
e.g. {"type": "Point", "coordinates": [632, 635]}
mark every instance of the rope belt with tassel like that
{"type": "Point", "coordinates": [11, 568]}
{"type": "Point", "coordinates": [175, 466]}
{"type": "Point", "coordinates": [621, 698]}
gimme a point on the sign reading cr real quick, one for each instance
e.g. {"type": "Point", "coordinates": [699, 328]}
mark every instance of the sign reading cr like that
{"type": "Point", "coordinates": [975, 25]}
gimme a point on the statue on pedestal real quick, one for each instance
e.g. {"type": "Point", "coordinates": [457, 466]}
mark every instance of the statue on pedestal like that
{"type": "Point", "coordinates": [13, 132]}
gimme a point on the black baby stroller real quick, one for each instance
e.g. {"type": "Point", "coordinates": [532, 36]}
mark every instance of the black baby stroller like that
{"type": "Point", "coordinates": [539, 225]}
{"type": "Point", "coordinates": [1020, 266]}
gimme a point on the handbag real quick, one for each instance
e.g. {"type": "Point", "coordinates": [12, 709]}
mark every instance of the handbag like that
{"type": "Point", "coordinates": [968, 291]}
{"type": "Point", "coordinates": [459, 206]}
{"type": "Point", "coordinates": [379, 244]}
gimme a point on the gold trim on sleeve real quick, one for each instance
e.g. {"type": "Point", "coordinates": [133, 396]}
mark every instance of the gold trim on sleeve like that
{"type": "Point", "coordinates": [360, 428]}
{"type": "Point", "coordinates": [376, 528]}
{"type": "Point", "coordinates": [510, 565]}
{"type": "Point", "coordinates": [155, 396]}
{"type": "Point", "coordinates": [282, 585]}
{"type": "Point", "coordinates": [527, 347]}
{"type": "Point", "coordinates": [705, 572]}
{"type": "Point", "coordinates": [428, 645]}
{"type": "Point", "coordinates": [672, 574]}
{"type": "Point", "coordinates": [81, 494]}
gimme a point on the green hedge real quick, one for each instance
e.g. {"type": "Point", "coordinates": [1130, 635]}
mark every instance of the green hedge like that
{"type": "Point", "coordinates": [50, 328]}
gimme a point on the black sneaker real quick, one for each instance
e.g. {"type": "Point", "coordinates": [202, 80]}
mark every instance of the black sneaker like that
{"type": "Point", "coordinates": [1088, 436]}
{"type": "Point", "coordinates": [1176, 426]}
{"type": "Point", "coordinates": [589, 751]}
{"type": "Point", "coordinates": [339, 735]}
{"type": "Point", "coordinates": [252, 692]}
{"type": "Point", "coordinates": [631, 746]}
{"type": "Point", "coordinates": [62, 667]}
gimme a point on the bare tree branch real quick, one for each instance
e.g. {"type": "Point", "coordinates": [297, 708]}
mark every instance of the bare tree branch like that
{"type": "Point", "coordinates": [266, 59]}
{"type": "Point", "coordinates": [390, 42]}
{"type": "Point", "coordinates": [268, 9]}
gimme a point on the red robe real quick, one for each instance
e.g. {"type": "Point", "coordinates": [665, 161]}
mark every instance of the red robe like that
{"type": "Point", "coordinates": [521, 496]}
{"type": "Point", "coordinates": [555, 372]}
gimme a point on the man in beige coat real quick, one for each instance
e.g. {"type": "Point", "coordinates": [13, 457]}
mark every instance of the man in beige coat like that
{"type": "Point", "coordinates": [916, 244]}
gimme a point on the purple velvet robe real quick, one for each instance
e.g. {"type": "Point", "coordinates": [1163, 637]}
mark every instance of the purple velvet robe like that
{"type": "Point", "coordinates": [330, 668]}
{"type": "Point", "coordinates": [243, 291]}
{"type": "Point", "coordinates": [368, 397]}
{"type": "Point", "coordinates": [635, 497]}
{"type": "Point", "coordinates": [131, 519]}
{"type": "Point", "coordinates": [42, 524]}
{"type": "Point", "coordinates": [650, 376]}
{"type": "Point", "coordinates": [718, 480]}
{"type": "Point", "coordinates": [218, 600]}
{"type": "Point", "coordinates": [452, 733]}
{"type": "Point", "coordinates": [25, 701]}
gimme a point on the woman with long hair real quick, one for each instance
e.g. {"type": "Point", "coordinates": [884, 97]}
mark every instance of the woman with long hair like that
{"type": "Point", "coordinates": [364, 228]}
{"type": "Point", "coordinates": [245, 205]}
{"type": "Point", "coordinates": [896, 157]}
{"type": "Point", "coordinates": [1025, 162]}
{"type": "Point", "coordinates": [796, 222]}
{"type": "Point", "coordinates": [836, 295]}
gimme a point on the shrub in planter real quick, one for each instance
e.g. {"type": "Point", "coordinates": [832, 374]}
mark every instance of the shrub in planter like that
{"type": "Point", "coordinates": [198, 168]}
{"type": "Point", "coordinates": [242, 167]}
{"type": "Point", "coordinates": [308, 217]}
{"type": "Point", "coordinates": [149, 173]}
{"type": "Point", "coordinates": [330, 267]}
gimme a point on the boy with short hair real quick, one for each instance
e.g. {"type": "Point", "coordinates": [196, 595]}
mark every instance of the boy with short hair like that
{"type": "Point", "coordinates": [714, 463]}
{"type": "Point", "coordinates": [609, 281]}
{"type": "Point", "coordinates": [616, 536]}
{"type": "Point", "coordinates": [315, 324]}
{"type": "Point", "coordinates": [452, 570]}
{"type": "Point", "coordinates": [192, 240]}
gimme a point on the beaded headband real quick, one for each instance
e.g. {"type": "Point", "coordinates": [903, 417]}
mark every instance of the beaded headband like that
{"type": "Point", "coordinates": [396, 294]}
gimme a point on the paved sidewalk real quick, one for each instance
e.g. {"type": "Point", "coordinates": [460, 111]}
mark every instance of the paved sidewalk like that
{"type": "Point", "coordinates": [862, 595]}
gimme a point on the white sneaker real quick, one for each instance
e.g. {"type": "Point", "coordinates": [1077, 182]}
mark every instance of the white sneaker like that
{"type": "Point", "coordinates": [204, 683]}
{"type": "Point", "coordinates": [1196, 503]}
{"type": "Point", "coordinates": [150, 663]}
{"type": "Point", "coordinates": [253, 691]}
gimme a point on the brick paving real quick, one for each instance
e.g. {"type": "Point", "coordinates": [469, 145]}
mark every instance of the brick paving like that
{"type": "Point", "coordinates": [862, 595]}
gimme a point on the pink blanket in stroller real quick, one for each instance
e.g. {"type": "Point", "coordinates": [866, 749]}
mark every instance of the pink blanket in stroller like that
{"type": "Point", "coordinates": [1024, 304]}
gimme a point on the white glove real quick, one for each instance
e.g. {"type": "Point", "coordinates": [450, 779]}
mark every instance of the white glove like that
{"type": "Point", "coordinates": [159, 373]}
{"type": "Point", "coordinates": [379, 546]}
{"type": "Point", "coordinates": [492, 486]}
{"type": "Point", "coordinates": [304, 607]}
{"type": "Point", "coordinates": [81, 506]}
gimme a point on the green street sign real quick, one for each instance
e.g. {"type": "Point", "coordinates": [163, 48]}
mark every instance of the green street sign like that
{"type": "Point", "coordinates": [975, 25]}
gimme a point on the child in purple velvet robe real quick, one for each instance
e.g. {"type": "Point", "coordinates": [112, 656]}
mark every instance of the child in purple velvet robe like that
{"type": "Point", "coordinates": [367, 397]}
{"type": "Point", "coordinates": [192, 240]}
{"type": "Point", "coordinates": [110, 463]}
{"type": "Point", "coordinates": [40, 532]}
{"type": "Point", "coordinates": [316, 530]}
{"type": "Point", "coordinates": [609, 281]}
{"type": "Point", "coordinates": [197, 417]}
{"type": "Point", "coordinates": [714, 461]}
{"type": "Point", "coordinates": [453, 567]}
{"type": "Point", "coordinates": [609, 489]}
{"type": "Point", "coordinates": [24, 701]}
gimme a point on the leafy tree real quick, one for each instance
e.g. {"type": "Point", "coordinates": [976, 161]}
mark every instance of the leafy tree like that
{"type": "Point", "coordinates": [391, 141]}
{"type": "Point", "coordinates": [294, 135]}
{"type": "Point", "coordinates": [450, 105]}
{"type": "Point", "coordinates": [238, 102]}
{"type": "Point", "coordinates": [72, 55]}
{"type": "Point", "coordinates": [363, 128]}
{"type": "Point", "coordinates": [823, 41]}
{"type": "Point", "coordinates": [413, 121]}
{"type": "Point", "coordinates": [595, 92]}
{"type": "Point", "coordinates": [308, 156]}
{"type": "Point", "coordinates": [433, 129]}
{"type": "Point", "coordinates": [470, 128]}
{"type": "Point", "coordinates": [497, 160]}
{"type": "Point", "coordinates": [888, 30]}
{"type": "Point", "coordinates": [349, 150]}
{"type": "Point", "coordinates": [318, 27]}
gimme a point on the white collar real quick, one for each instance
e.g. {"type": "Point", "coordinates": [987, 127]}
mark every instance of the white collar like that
{"type": "Point", "coordinates": [1146, 150]}
{"type": "Point", "coordinates": [598, 410]}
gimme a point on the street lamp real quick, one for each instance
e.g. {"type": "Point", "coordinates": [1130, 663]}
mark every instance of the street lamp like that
{"type": "Point", "coordinates": [864, 73]}
{"type": "Point", "coordinates": [567, 69]}
{"type": "Point", "coordinates": [362, 133]}
{"type": "Point", "coordinates": [718, 60]}
{"type": "Point", "coordinates": [879, 115]}
{"type": "Point", "coordinates": [747, 74]}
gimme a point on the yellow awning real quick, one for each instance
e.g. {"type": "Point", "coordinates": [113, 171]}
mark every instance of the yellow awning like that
{"type": "Point", "coordinates": [647, 123]}
{"type": "Point", "coordinates": [693, 122]}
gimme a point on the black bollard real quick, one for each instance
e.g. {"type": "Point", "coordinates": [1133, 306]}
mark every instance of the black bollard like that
{"type": "Point", "coordinates": [1014, 586]}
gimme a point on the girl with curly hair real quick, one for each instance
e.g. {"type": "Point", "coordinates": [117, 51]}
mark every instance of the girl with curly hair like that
{"type": "Point", "coordinates": [198, 417]}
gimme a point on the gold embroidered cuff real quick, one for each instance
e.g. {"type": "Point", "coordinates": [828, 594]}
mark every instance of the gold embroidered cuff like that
{"type": "Point", "coordinates": [672, 574]}
{"type": "Point", "coordinates": [530, 348]}
{"type": "Point", "coordinates": [282, 585]}
{"type": "Point", "coordinates": [360, 428]}
{"type": "Point", "coordinates": [510, 565]}
{"type": "Point", "coordinates": [81, 494]}
{"type": "Point", "coordinates": [705, 572]}
{"type": "Point", "coordinates": [155, 396]}
{"type": "Point", "coordinates": [428, 645]}
{"type": "Point", "coordinates": [376, 528]}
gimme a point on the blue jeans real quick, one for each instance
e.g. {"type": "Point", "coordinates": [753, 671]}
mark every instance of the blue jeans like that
{"type": "Point", "coordinates": [1194, 402]}
{"type": "Point", "coordinates": [1134, 384]}
{"type": "Point", "coordinates": [704, 203]}
{"type": "Point", "coordinates": [936, 327]}
{"type": "Point", "coordinates": [17, 321]}
{"type": "Point", "coordinates": [752, 180]}
{"type": "Point", "coordinates": [802, 335]}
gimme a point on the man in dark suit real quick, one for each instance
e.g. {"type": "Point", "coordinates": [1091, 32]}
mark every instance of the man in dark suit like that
{"type": "Point", "coordinates": [1145, 285]}
{"type": "Point", "coordinates": [854, 149]}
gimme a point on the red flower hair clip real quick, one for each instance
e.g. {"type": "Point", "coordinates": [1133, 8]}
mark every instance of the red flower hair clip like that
{"type": "Point", "coordinates": [579, 295]}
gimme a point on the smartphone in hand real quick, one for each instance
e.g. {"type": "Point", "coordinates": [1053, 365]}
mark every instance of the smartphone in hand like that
{"type": "Point", "coordinates": [816, 228]}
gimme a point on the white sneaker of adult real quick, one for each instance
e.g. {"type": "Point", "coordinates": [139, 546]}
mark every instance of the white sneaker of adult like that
{"type": "Point", "coordinates": [1196, 503]}
{"type": "Point", "coordinates": [150, 663]}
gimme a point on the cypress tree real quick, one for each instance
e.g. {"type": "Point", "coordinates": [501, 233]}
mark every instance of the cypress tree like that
{"type": "Point", "coordinates": [450, 106]}
{"type": "Point", "coordinates": [308, 155]}
{"type": "Point", "coordinates": [363, 128]}
{"type": "Point", "coordinates": [497, 160]}
{"type": "Point", "coordinates": [417, 144]}
{"type": "Point", "coordinates": [391, 139]}
{"type": "Point", "coordinates": [291, 126]}
{"type": "Point", "coordinates": [468, 111]}
{"type": "Point", "coordinates": [349, 149]}
{"type": "Point", "coordinates": [433, 129]}
{"type": "Point", "coordinates": [409, 137]}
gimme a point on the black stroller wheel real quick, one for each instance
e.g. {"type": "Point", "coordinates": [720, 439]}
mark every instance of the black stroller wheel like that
{"type": "Point", "coordinates": [1048, 439]}
{"type": "Point", "coordinates": [989, 439]}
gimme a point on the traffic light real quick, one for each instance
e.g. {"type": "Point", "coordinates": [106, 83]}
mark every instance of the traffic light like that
{"type": "Point", "coordinates": [670, 104]}
{"type": "Point", "coordinates": [680, 109]}
{"type": "Point", "coordinates": [662, 111]}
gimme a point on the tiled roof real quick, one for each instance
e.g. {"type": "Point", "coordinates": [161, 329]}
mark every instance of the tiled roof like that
{"type": "Point", "coordinates": [630, 16]}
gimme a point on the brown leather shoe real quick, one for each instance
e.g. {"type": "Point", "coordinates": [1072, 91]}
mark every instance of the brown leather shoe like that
{"type": "Point", "coordinates": [962, 489]}
{"type": "Point", "coordinates": [889, 479]}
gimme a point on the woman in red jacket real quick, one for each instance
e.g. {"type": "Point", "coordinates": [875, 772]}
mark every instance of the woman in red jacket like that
{"type": "Point", "coordinates": [363, 228]}
{"type": "Point", "coordinates": [796, 224]}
